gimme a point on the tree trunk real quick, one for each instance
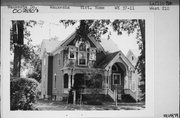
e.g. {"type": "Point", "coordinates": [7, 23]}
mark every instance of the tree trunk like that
{"type": "Point", "coordinates": [141, 61]}
{"type": "Point", "coordinates": [18, 41]}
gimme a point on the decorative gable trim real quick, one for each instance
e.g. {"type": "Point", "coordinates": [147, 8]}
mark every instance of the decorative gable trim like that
{"type": "Point", "coordinates": [123, 57]}
{"type": "Point", "coordinates": [65, 42]}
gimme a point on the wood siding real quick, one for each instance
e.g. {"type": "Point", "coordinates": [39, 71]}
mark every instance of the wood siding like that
{"type": "Point", "coordinates": [57, 66]}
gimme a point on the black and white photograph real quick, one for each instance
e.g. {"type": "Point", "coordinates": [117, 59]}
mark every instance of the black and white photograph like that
{"type": "Point", "coordinates": [85, 64]}
{"type": "Point", "coordinates": [89, 60]}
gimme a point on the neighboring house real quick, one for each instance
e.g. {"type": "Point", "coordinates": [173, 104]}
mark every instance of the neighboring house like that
{"type": "Point", "coordinates": [135, 75]}
{"type": "Point", "coordinates": [67, 63]}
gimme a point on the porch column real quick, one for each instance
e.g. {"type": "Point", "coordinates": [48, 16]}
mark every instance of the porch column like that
{"type": "Point", "coordinates": [126, 83]}
{"type": "Point", "coordinates": [72, 84]}
{"type": "Point", "coordinates": [126, 80]}
{"type": "Point", "coordinates": [69, 81]}
{"type": "Point", "coordinates": [129, 79]}
{"type": "Point", "coordinates": [109, 80]}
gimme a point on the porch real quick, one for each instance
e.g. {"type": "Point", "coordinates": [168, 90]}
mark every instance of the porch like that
{"type": "Point", "coordinates": [114, 82]}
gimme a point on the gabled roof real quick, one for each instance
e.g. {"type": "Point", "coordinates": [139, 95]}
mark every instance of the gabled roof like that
{"type": "Point", "coordinates": [65, 42]}
{"type": "Point", "coordinates": [111, 56]}
{"type": "Point", "coordinates": [132, 58]}
{"type": "Point", "coordinates": [107, 60]}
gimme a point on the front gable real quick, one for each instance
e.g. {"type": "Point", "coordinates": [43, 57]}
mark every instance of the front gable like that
{"type": "Point", "coordinates": [112, 58]}
{"type": "Point", "coordinates": [80, 52]}
{"type": "Point", "coordinates": [72, 40]}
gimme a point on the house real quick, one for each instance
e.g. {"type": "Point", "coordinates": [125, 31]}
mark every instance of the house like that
{"type": "Point", "coordinates": [66, 64]}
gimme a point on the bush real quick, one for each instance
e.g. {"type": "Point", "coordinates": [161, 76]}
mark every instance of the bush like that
{"type": "Point", "coordinates": [94, 102]}
{"type": "Point", "coordinates": [23, 92]}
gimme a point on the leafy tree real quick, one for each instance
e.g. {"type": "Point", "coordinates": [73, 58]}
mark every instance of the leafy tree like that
{"type": "Point", "coordinates": [18, 33]}
{"type": "Point", "coordinates": [35, 63]}
{"type": "Point", "coordinates": [97, 28]}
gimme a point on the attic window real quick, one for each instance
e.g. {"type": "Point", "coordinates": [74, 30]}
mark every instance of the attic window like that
{"type": "Point", "coordinates": [132, 58]}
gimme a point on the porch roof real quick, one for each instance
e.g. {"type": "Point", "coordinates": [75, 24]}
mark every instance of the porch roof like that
{"type": "Point", "coordinates": [106, 61]}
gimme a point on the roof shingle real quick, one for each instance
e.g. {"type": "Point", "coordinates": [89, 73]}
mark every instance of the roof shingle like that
{"type": "Point", "coordinates": [104, 62]}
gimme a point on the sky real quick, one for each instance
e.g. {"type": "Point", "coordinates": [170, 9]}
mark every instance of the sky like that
{"type": "Point", "coordinates": [50, 29]}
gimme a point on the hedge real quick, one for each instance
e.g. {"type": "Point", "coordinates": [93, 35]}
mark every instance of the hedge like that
{"type": "Point", "coordinates": [23, 92]}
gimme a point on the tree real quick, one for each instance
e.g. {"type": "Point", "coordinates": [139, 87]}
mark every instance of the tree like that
{"type": "Point", "coordinates": [35, 63]}
{"type": "Point", "coordinates": [96, 28]}
{"type": "Point", "coordinates": [20, 50]}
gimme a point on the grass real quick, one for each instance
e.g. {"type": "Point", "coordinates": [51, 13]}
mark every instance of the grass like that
{"type": "Point", "coordinates": [58, 105]}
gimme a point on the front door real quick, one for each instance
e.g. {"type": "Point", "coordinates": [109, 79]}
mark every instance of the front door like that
{"type": "Point", "coordinates": [78, 81]}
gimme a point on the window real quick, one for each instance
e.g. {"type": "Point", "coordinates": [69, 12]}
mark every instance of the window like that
{"type": "Point", "coordinates": [82, 54]}
{"type": "Point", "coordinates": [72, 53]}
{"type": "Point", "coordinates": [59, 60]}
{"type": "Point", "coordinates": [55, 80]}
{"type": "Point", "coordinates": [66, 81]}
{"type": "Point", "coordinates": [117, 78]}
{"type": "Point", "coordinates": [82, 58]}
{"type": "Point", "coordinates": [82, 47]}
{"type": "Point", "coordinates": [132, 58]}
{"type": "Point", "coordinates": [92, 54]}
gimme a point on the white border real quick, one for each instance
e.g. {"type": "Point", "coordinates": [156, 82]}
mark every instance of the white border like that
{"type": "Point", "coordinates": [147, 112]}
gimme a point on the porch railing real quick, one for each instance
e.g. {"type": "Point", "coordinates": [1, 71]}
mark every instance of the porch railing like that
{"type": "Point", "coordinates": [90, 91]}
{"type": "Point", "coordinates": [100, 91]}
{"type": "Point", "coordinates": [111, 93]}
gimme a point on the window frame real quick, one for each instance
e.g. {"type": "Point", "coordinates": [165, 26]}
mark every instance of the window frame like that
{"type": "Point", "coordinates": [92, 51]}
{"type": "Point", "coordinates": [85, 52]}
{"type": "Point", "coordinates": [115, 74]}
{"type": "Point", "coordinates": [73, 51]}
{"type": "Point", "coordinates": [55, 80]}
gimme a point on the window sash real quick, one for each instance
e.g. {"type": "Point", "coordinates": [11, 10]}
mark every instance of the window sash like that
{"type": "Point", "coordinates": [72, 55]}
{"type": "Point", "coordinates": [116, 79]}
{"type": "Point", "coordinates": [82, 55]}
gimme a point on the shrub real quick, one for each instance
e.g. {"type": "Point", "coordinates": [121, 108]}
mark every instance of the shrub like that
{"type": "Point", "coordinates": [23, 93]}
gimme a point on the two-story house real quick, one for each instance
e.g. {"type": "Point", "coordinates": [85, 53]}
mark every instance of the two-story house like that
{"type": "Point", "coordinates": [67, 63]}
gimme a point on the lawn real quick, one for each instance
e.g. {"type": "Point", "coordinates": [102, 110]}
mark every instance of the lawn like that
{"type": "Point", "coordinates": [57, 105]}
